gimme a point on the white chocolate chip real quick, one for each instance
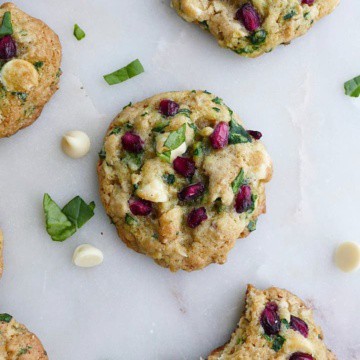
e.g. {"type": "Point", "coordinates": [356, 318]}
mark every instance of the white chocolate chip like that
{"type": "Point", "coordinates": [206, 131]}
{"type": "Point", "coordinates": [19, 76]}
{"type": "Point", "coordinates": [154, 191]}
{"type": "Point", "coordinates": [87, 256]}
{"type": "Point", "coordinates": [75, 144]}
{"type": "Point", "coordinates": [347, 256]}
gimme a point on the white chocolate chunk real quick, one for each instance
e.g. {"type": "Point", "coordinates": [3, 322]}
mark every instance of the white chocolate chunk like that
{"type": "Point", "coordinates": [160, 141]}
{"type": "Point", "coordinates": [75, 144]}
{"type": "Point", "coordinates": [178, 151]}
{"type": "Point", "coordinates": [347, 256]}
{"type": "Point", "coordinates": [19, 76]}
{"type": "Point", "coordinates": [87, 256]}
{"type": "Point", "coordinates": [296, 342]}
{"type": "Point", "coordinates": [154, 191]}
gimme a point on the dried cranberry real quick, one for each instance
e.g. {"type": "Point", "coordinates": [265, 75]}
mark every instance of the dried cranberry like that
{"type": "Point", "coordinates": [270, 320]}
{"type": "Point", "coordinates": [196, 217]}
{"type": "Point", "coordinates": [248, 15]}
{"type": "Point", "coordinates": [184, 166]}
{"type": "Point", "coordinates": [140, 207]}
{"type": "Point", "coordinates": [168, 107]}
{"type": "Point", "coordinates": [299, 325]}
{"type": "Point", "coordinates": [243, 200]}
{"type": "Point", "coordinates": [257, 135]}
{"type": "Point", "coordinates": [132, 142]}
{"type": "Point", "coordinates": [220, 136]}
{"type": "Point", "coordinates": [191, 192]}
{"type": "Point", "coordinates": [301, 356]}
{"type": "Point", "coordinates": [7, 48]}
{"type": "Point", "coordinates": [308, 2]}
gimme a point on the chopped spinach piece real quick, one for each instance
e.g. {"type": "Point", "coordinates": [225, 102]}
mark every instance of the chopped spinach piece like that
{"type": "Point", "coordinates": [169, 178]}
{"type": "Point", "coordinates": [130, 220]}
{"type": "Point", "coordinates": [352, 87]}
{"type": "Point", "coordinates": [207, 92]}
{"type": "Point", "coordinates": [116, 130]}
{"type": "Point", "coordinates": [176, 138]}
{"type": "Point", "coordinates": [165, 156]}
{"type": "Point", "coordinates": [217, 101]}
{"type": "Point", "coordinates": [198, 149]}
{"type": "Point", "coordinates": [133, 160]}
{"type": "Point", "coordinates": [6, 25]}
{"type": "Point", "coordinates": [186, 112]}
{"type": "Point", "coordinates": [204, 24]}
{"type": "Point", "coordinates": [128, 105]}
{"type": "Point", "coordinates": [238, 182]}
{"type": "Point", "coordinates": [78, 32]}
{"type": "Point", "coordinates": [38, 65]}
{"type": "Point", "coordinates": [252, 225]}
{"type": "Point", "coordinates": [258, 37]}
{"type": "Point", "coordinates": [78, 211]}
{"type": "Point", "coordinates": [286, 323]}
{"type": "Point", "coordinates": [278, 343]}
{"type": "Point", "coordinates": [238, 135]}
{"type": "Point", "coordinates": [21, 95]}
{"type": "Point", "coordinates": [5, 318]}
{"type": "Point", "coordinates": [160, 126]}
{"type": "Point", "coordinates": [102, 153]}
{"type": "Point", "coordinates": [290, 14]}
{"type": "Point", "coordinates": [129, 71]}
{"type": "Point", "coordinates": [216, 109]}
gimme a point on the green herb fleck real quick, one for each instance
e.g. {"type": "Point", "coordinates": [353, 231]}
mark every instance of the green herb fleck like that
{"type": "Point", "coordinates": [352, 87]}
{"type": "Point", "coordinates": [155, 236]}
{"type": "Point", "coordinates": [169, 178]}
{"type": "Point", "coordinates": [290, 14]}
{"type": "Point", "coordinates": [78, 32]}
{"type": "Point", "coordinates": [186, 112]}
{"type": "Point", "coordinates": [160, 126]}
{"type": "Point", "coordinates": [307, 15]}
{"type": "Point", "coordinates": [207, 92]}
{"type": "Point", "coordinates": [176, 138]}
{"type": "Point", "coordinates": [21, 95]}
{"type": "Point", "coordinates": [258, 37]}
{"type": "Point", "coordinates": [129, 71]}
{"type": "Point", "coordinates": [216, 109]}
{"type": "Point", "coordinates": [128, 105]}
{"type": "Point", "coordinates": [204, 24]}
{"type": "Point", "coordinates": [238, 182]}
{"type": "Point", "coordinates": [217, 101]}
{"type": "Point", "coordinates": [116, 130]}
{"type": "Point", "coordinates": [5, 318]}
{"type": "Point", "coordinates": [24, 351]}
{"type": "Point", "coordinates": [130, 220]}
{"type": "Point", "coordinates": [198, 150]}
{"type": "Point", "coordinates": [165, 156]}
{"type": "Point", "coordinates": [102, 153]}
{"type": "Point", "coordinates": [278, 343]}
{"type": "Point", "coordinates": [38, 65]}
{"type": "Point", "coordinates": [252, 225]}
{"type": "Point", "coordinates": [286, 323]}
{"type": "Point", "coordinates": [133, 161]}
{"type": "Point", "coordinates": [238, 135]}
{"type": "Point", "coordinates": [267, 337]}
{"type": "Point", "coordinates": [6, 26]}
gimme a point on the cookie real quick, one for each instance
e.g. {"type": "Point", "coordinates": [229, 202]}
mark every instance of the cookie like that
{"type": "Point", "coordinates": [182, 179]}
{"type": "Point", "coordinates": [1, 253]}
{"type": "Point", "coordinates": [276, 325]}
{"type": "Point", "coordinates": [30, 69]}
{"type": "Point", "coordinates": [252, 28]}
{"type": "Point", "coordinates": [17, 342]}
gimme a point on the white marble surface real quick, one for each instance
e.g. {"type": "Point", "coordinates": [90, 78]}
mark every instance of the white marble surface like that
{"type": "Point", "coordinates": [129, 308]}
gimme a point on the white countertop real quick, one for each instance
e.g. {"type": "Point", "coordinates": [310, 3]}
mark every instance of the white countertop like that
{"type": "Point", "coordinates": [130, 308]}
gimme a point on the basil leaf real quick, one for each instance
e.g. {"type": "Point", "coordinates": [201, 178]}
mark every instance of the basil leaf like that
{"type": "Point", "coordinates": [133, 69]}
{"type": "Point", "coordinates": [58, 226]}
{"type": "Point", "coordinates": [116, 130]}
{"type": "Point", "coordinates": [165, 156]}
{"type": "Point", "coordinates": [160, 126]}
{"type": "Point", "coordinates": [6, 26]}
{"type": "Point", "coordinates": [5, 318]}
{"type": "Point", "coordinates": [290, 14]}
{"type": "Point", "coordinates": [238, 135]}
{"type": "Point", "coordinates": [239, 180]}
{"type": "Point", "coordinates": [258, 37]}
{"type": "Point", "coordinates": [217, 101]}
{"type": "Point", "coordinates": [176, 138]}
{"type": "Point", "coordinates": [278, 343]}
{"type": "Point", "coordinates": [186, 112]}
{"type": "Point", "coordinates": [38, 65]}
{"type": "Point", "coordinates": [198, 149]}
{"type": "Point", "coordinates": [79, 33]}
{"type": "Point", "coordinates": [252, 226]}
{"type": "Point", "coordinates": [78, 212]}
{"type": "Point", "coordinates": [352, 87]}
{"type": "Point", "coordinates": [286, 323]}
{"type": "Point", "coordinates": [130, 220]}
{"type": "Point", "coordinates": [169, 178]}
{"type": "Point", "coordinates": [133, 161]}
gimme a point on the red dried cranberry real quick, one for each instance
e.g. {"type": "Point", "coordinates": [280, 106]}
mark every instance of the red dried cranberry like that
{"type": "Point", "coordinates": [243, 200]}
{"type": "Point", "coordinates": [191, 192]}
{"type": "Point", "coordinates": [7, 48]}
{"type": "Point", "coordinates": [168, 107]}
{"type": "Point", "coordinates": [308, 2]}
{"type": "Point", "coordinates": [140, 207]}
{"type": "Point", "coordinates": [184, 166]}
{"type": "Point", "coordinates": [270, 320]}
{"type": "Point", "coordinates": [299, 325]}
{"type": "Point", "coordinates": [196, 217]}
{"type": "Point", "coordinates": [132, 142]}
{"type": "Point", "coordinates": [257, 135]}
{"type": "Point", "coordinates": [301, 356]}
{"type": "Point", "coordinates": [220, 137]}
{"type": "Point", "coordinates": [248, 15]}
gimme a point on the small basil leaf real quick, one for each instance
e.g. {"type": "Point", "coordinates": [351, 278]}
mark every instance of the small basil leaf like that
{"type": "Point", "coordinates": [129, 220]}
{"type": "Point", "coordinates": [238, 135]}
{"type": "Point", "coordinates": [133, 69]}
{"type": "Point", "coordinates": [160, 126]}
{"type": "Point", "coordinates": [6, 26]}
{"type": "Point", "coordinates": [176, 138]}
{"type": "Point", "coordinates": [58, 226]}
{"type": "Point", "coordinates": [78, 211]}
{"type": "Point", "coordinates": [133, 161]}
{"type": "Point", "coordinates": [278, 343]}
{"type": "Point", "coordinates": [165, 156]}
{"type": "Point", "coordinates": [239, 180]}
{"type": "Point", "coordinates": [169, 178]}
{"type": "Point", "coordinates": [5, 318]}
{"type": "Point", "coordinates": [352, 87]}
{"type": "Point", "coordinates": [79, 33]}
{"type": "Point", "coordinates": [252, 225]}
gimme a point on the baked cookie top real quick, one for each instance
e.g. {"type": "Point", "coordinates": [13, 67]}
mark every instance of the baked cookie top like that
{"type": "Point", "coordinates": [30, 56]}
{"type": "Point", "coordinates": [252, 28]}
{"type": "Point", "coordinates": [17, 342]}
{"type": "Point", "coordinates": [276, 325]}
{"type": "Point", "coordinates": [182, 179]}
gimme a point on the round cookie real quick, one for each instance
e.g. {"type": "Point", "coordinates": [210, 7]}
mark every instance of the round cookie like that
{"type": "Point", "coordinates": [252, 28]}
{"type": "Point", "coordinates": [276, 325]}
{"type": "Point", "coordinates": [181, 178]}
{"type": "Point", "coordinates": [30, 68]}
{"type": "Point", "coordinates": [17, 342]}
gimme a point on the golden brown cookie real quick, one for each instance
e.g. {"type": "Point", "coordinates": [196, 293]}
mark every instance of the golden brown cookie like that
{"type": "Point", "coordinates": [252, 28]}
{"type": "Point", "coordinates": [182, 179]}
{"type": "Point", "coordinates": [17, 342]}
{"type": "Point", "coordinates": [30, 69]}
{"type": "Point", "coordinates": [276, 325]}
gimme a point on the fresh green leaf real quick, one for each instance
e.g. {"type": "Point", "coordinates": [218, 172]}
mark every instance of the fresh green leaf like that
{"type": "Point", "coordinates": [198, 150]}
{"type": "Point", "coordinates": [129, 71]}
{"type": "Point", "coordinates": [352, 87]}
{"type": "Point", "coordinates": [169, 178]}
{"type": "Point", "coordinates": [252, 225]}
{"type": "Point", "coordinates": [286, 323]}
{"type": "Point", "coordinates": [239, 180]}
{"type": "Point", "coordinates": [5, 318]}
{"type": "Point", "coordinates": [290, 15]}
{"type": "Point", "coordinates": [267, 337]}
{"type": "Point", "coordinates": [216, 109]}
{"type": "Point", "coordinates": [253, 200]}
{"type": "Point", "coordinates": [116, 130]}
{"type": "Point", "coordinates": [217, 101]}
{"type": "Point", "coordinates": [78, 32]}
{"type": "Point", "coordinates": [165, 156]}
{"type": "Point", "coordinates": [258, 37]}
{"type": "Point", "coordinates": [176, 138]}
{"type": "Point", "coordinates": [160, 126]}
{"type": "Point", "coordinates": [38, 65]}
{"type": "Point", "coordinates": [278, 343]}
{"type": "Point", "coordinates": [130, 220]}
{"type": "Point", "coordinates": [134, 161]}
{"type": "Point", "coordinates": [58, 226]}
{"type": "Point", "coordinates": [78, 212]}
{"type": "Point", "coordinates": [193, 126]}
{"type": "Point", "coordinates": [6, 25]}
{"type": "Point", "coordinates": [238, 135]}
